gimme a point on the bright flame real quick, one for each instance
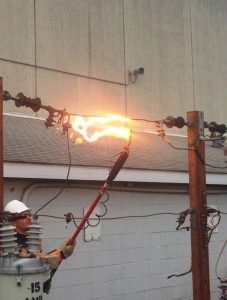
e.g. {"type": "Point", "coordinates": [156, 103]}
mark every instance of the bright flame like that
{"type": "Point", "coordinates": [95, 127]}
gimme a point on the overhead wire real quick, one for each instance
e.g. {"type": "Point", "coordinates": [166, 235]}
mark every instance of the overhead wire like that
{"type": "Point", "coordinates": [180, 220]}
{"type": "Point", "coordinates": [191, 149]}
{"type": "Point", "coordinates": [112, 218]}
{"type": "Point", "coordinates": [158, 123]}
{"type": "Point", "coordinates": [65, 182]}
{"type": "Point", "coordinates": [121, 159]}
{"type": "Point", "coordinates": [162, 135]}
{"type": "Point", "coordinates": [206, 164]}
{"type": "Point", "coordinates": [69, 216]}
{"type": "Point", "coordinates": [209, 233]}
{"type": "Point", "coordinates": [212, 230]}
{"type": "Point", "coordinates": [217, 262]}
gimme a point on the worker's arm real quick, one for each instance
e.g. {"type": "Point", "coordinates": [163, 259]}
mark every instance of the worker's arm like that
{"type": "Point", "coordinates": [63, 251]}
{"type": "Point", "coordinates": [53, 257]}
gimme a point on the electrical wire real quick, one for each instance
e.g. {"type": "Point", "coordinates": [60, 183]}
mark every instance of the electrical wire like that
{"type": "Point", "coordinates": [212, 230]}
{"type": "Point", "coordinates": [65, 182]}
{"type": "Point", "coordinates": [121, 217]}
{"type": "Point", "coordinates": [205, 164]}
{"type": "Point", "coordinates": [183, 215]}
{"type": "Point", "coordinates": [112, 218]}
{"type": "Point", "coordinates": [114, 171]}
{"type": "Point", "coordinates": [216, 265]}
{"type": "Point", "coordinates": [181, 220]}
{"type": "Point", "coordinates": [98, 116]}
{"type": "Point", "coordinates": [70, 217]}
{"type": "Point", "coordinates": [191, 149]}
{"type": "Point", "coordinates": [181, 274]}
{"type": "Point", "coordinates": [144, 120]}
{"type": "Point", "coordinates": [174, 147]}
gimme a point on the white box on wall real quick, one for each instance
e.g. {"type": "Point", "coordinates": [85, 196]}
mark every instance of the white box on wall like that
{"type": "Point", "coordinates": [93, 232]}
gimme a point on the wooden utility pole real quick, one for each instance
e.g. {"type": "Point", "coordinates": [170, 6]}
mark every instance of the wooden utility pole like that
{"type": "Point", "coordinates": [198, 203]}
{"type": "Point", "coordinates": [1, 149]}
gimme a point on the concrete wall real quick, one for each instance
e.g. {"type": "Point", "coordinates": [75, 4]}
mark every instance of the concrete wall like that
{"type": "Point", "coordinates": [134, 256]}
{"type": "Point", "coordinates": [77, 55]}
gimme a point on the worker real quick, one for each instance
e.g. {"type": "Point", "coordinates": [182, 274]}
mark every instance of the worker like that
{"type": "Point", "coordinates": [20, 217]}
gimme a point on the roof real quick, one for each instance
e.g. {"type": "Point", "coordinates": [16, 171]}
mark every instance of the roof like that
{"type": "Point", "coordinates": [27, 140]}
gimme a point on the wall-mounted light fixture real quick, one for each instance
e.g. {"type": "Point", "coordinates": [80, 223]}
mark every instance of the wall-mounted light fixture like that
{"type": "Point", "coordinates": [133, 76]}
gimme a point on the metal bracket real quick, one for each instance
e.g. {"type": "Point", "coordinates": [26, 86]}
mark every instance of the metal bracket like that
{"type": "Point", "coordinates": [19, 275]}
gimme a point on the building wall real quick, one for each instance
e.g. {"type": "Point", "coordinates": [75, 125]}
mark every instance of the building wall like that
{"type": "Point", "coordinates": [77, 55]}
{"type": "Point", "coordinates": [134, 256]}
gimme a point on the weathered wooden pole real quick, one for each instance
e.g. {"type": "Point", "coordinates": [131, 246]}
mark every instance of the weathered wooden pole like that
{"type": "Point", "coordinates": [198, 203]}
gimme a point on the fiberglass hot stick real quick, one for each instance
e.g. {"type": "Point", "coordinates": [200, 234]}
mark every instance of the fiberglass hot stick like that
{"type": "Point", "coordinates": [112, 175]}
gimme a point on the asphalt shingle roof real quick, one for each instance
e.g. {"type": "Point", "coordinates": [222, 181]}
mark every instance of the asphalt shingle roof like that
{"type": "Point", "coordinates": [28, 140]}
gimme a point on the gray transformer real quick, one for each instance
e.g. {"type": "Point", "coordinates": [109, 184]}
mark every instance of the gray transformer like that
{"type": "Point", "coordinates": [21, 278]}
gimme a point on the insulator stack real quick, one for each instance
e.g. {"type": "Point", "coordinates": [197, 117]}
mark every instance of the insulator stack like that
{"type": "Point", "coordinates": [7, 239]}
{"type": "Point", "coordinates": [178, 122]}
{"type": "Point", "coordinates": [33, 237]}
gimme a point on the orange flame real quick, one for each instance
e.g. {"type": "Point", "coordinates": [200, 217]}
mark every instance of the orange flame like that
{"type": "Point", "coordinates": [93, 128]}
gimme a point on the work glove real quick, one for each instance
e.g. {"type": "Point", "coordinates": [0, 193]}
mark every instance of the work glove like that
{"type": "Point", "coordinates": [52, 261]}
{"type": "Point", "coordinates": [66, 250]}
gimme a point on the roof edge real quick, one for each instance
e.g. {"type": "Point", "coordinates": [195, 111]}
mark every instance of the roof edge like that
{"type": "Point", "coordinates": [46, 171]}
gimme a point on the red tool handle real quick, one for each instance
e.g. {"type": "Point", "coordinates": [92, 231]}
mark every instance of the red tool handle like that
{"type": "Point", "coordinates": [87, 215]}
{"type": "Point", "coordinates": [112, 175]}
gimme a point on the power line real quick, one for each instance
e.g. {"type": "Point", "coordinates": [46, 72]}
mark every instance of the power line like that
{"type": "Point", "coordinates": [191, 149]}
{"type": "Point", "coordinates": [65, 182]}
{"type": "Point", "coordinates": [111, 218]}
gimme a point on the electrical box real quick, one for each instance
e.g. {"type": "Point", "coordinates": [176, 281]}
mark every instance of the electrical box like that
{"type": "Point", "coordinates": [22, 278]}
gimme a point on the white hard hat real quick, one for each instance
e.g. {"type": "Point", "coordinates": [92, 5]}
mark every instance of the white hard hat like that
{"type": "Point", "coordinates": [15, 206]}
